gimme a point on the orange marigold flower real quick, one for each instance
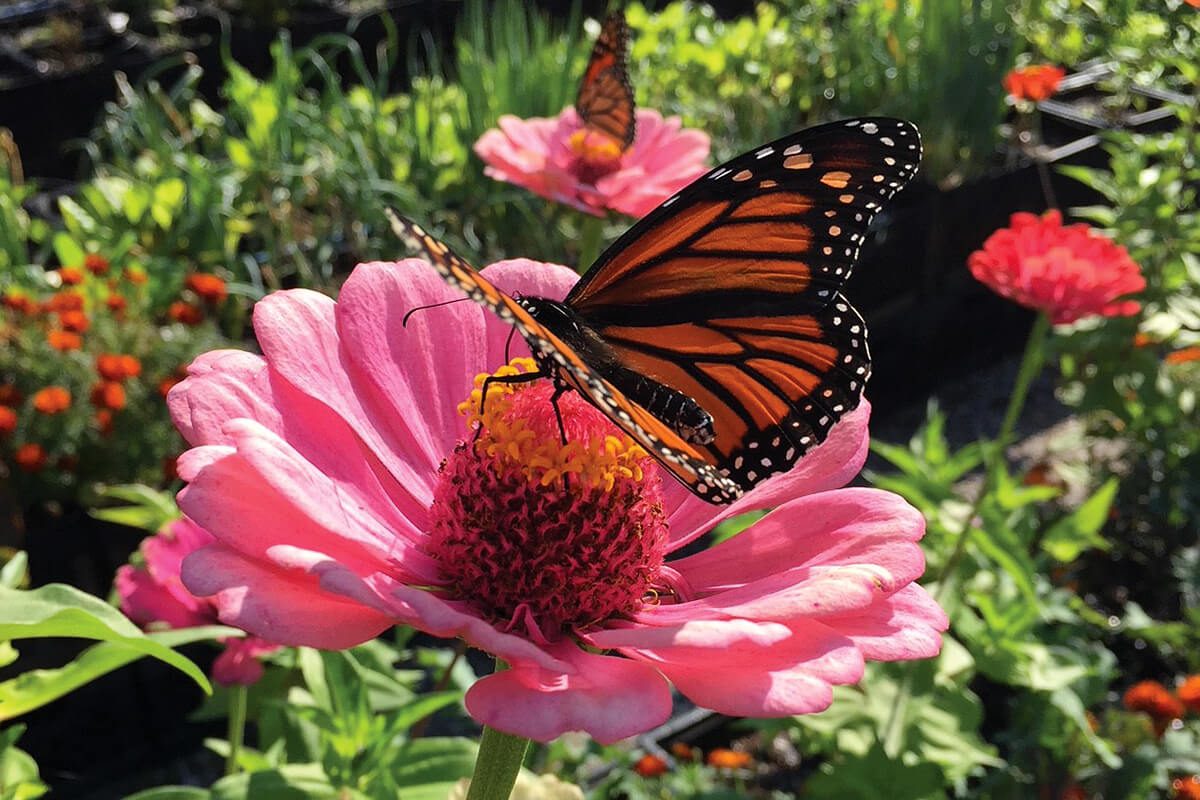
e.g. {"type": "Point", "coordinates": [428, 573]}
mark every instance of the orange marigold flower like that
{"type": "Point", "coordinates": [171, 381]}
{"type": "Point", "coordinates": [1193, 3]}
{"type": "Point", "coordinates": [1142, 340]}
{"type": "Point", "coordinates": [187, 313]}
{"type": "Point", "coordinates": [1154, 699]}
{"type": "Point", "coordinates": [74, 321]}
{"type": "Point", "coordinates": [70, 276]}
{"type": "Point", "coordinates": [95, 263]}
{"type": "Point", "coordinates": [108, 394]}
{"type": "Point", "coordinates": [104, 421]}
{"type": "Point", "coordinates": [66, 300]}
{"type": "Point", "coordinates": [136, 275]}
{"type": "Point", "coordinates": [1187, 788]}
{"type": "Point", "coordinates": [52, 400]}
{"type": "Point", "coordinates": [30, 457]}
{"type": "Point", "coordinates": [8, 421]}
{"type": "Point", "coordinates": [682, 751]}
{"type": "Point", "coordinates": [113, 367]}
{"type": "Point", "coordinates": [64, 340]}
{"type": "Point", "coordinates": [1036, 82]}
{"type": "Point", "coordinates": [1189, 693]}
{"type": "Point", "coordinates": [650, 766]}
{"type": "Point", "coordinates": [1183, 356]}
{"type": "Point", "coordinates": [116, 303]}
{"type": "Point", "coordinates": [728, 759]}
{"type": "Point", "coordinates": [131, 366]}
{"type": "Point", "coordinates": [10, 395]}
{"type": "Point", "coordinates": [18, 301]}
{"type": "Point", "coordinates": [209, 287]}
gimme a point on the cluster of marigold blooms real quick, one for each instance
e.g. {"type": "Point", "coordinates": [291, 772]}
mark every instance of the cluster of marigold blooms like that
{"type": "Point", "coordinates": [94, 286]}
{"type": "Point", "coordinates": [1164, 707]}
{"type": "Point", "coordinates": [651, 766]}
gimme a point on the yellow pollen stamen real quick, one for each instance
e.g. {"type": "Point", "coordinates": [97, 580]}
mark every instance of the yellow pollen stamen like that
{"type": "Point", "coordinates": [594, 146]}
{"type": "Point", "coordinates": [543, 459]}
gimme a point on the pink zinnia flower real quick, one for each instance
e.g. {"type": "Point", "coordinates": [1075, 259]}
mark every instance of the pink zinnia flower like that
{"type": "Point", "coordinates": [155, 594]}
{"type": "Point", "coordinates": [1068, 272]}
{"type": "Point", "coordinates": [558, 158]}
{"type": "Point", "coordinates": [347, 495]}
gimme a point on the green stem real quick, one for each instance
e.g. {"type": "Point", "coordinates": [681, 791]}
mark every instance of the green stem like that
{"type": "Point", "coordinates": [238, 697]}
{"type": "Point", "coordinates": [500, 757]}
{"type": "Point", "coordinates": [591, 237]}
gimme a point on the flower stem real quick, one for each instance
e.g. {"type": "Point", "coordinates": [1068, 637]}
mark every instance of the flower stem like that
{"type": "Point", "coordinates": [1031, 364]}
{"type": "Point", "coordinates": [500, 757]}
{"type": "Point", "coordinates": [591, 237]}
{"type": "Point", "coordinates": [238, 696]}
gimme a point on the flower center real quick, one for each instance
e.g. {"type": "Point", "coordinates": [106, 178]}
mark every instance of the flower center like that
{"type": "Point", "coordinates": [596, 155]}
{"type": "Point", "coordinates": [539, 534]}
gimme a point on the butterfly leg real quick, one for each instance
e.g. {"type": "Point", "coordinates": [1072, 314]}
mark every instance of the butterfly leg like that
{"type": "Point", "coordinates": [560, 389]}
{"type": "Point", "coordinates": [525, 377]}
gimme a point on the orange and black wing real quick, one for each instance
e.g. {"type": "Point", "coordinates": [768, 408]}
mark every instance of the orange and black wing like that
{"type": "Point", "coordinates": [679, 457]}
{"type": "Point", "coordinates": [729, 292]}
{"type": "Point", "coordinates": [605, 100]}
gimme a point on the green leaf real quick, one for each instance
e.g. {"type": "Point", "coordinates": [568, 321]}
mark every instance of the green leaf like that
{"type": "Point", "coordinates": [75, 218]}
{"type": "Point", "coordinates": [171, 793]}
{"type": "Point", "coordinates": [147, 509]}
{"type": "Point", "coordinates": [19, 779]}
{"type": "Point", "coordinates": [12, 574]}
{"type": "Point", "coordinates": [874, 775]}
{"type": "Point", "coordinates": [1080, 530]}
{"type": "Point", "coordinates": [59, 610]}
{"type": "Point", "coordinates": [289, 782]}
{"type": "Point", "coordinates": [67, 250]}
{"type": "Point", "coordinates": [433, 765]}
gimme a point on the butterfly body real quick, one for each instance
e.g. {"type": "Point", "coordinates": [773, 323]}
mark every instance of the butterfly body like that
{"type": "Point", "coordinates": [714, 331]}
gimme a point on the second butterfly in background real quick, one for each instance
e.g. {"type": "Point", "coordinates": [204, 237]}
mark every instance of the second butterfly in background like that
{"type": "Point", "coordinates": [603, 154]}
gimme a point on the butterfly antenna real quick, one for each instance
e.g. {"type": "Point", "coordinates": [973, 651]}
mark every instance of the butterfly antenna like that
{"type": "Point", "coordinates": [507, 343]}
{"type": "Point", "coordinates": [411, 311]}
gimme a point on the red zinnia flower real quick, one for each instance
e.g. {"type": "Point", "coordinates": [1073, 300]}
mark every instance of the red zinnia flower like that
{"type": "Point", "coordinates": [108, 394]}
{"type": "Point", "coordinates": [64, 340]}
{"type": "Point", "coordinates": [136, 275]}
{"type": "Point", "coordinates": [52, 400]}
{"type": "Point", "coordinates": [729, 759]}
{"type": "Point", "coordinates": [186, 313]}
{"type": "Point", "coordinates": [116, 303]}
{"type": "Point", "coordinates": [209, 287]}
{"type": "Point", "coordinates": [1068, 272]}
{"type": "Point", "coordinates": [1187, 788]}
{"type": "Point", "coordinates": [1154, 699]}
{"type": "Point", "coordinates": [66, 300]}
{"type": "Point", "coordinates": [8, 421]}
{"type": "Point", "coordinates": [74, 321]}
{"type": "Point", "coordinates": [70, 276]}
{"type": "Point", "coordinates": [1189, 693]}
{"type": "Point", "coordinates": [95, 263]}
{"type": "Point", "coordinates": [10, 395]}
{"type": "Point", "coordinates": [30, 457]}
{"type": "Point", "coordinates": [1034, 83]}
{"type": "Point", "coordinates": [649, 766]}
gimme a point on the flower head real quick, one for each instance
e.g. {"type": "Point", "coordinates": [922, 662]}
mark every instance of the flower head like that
{"type": "Point", "coordinates": [8, 421]}
{"type": "Point", "coordinates": [1189, 693]}
{"type": "Point", "coordinates": [347, 493]}
{"type": "Point", "coordinates": [209, 288]}
{"type": "Point", "coordinates": [108, 394]}
{"type": "Point", "coordinates": [10, 395]}
{"type": "Point", "coordinates": [66, 300]}
{"type": "Point", "coordinates": [104, 421]}
{"type": "Point", "coordinates": [116, 303]}
{"type": "Point", "coordinates": [114, 367]}
{"type": "Point", "coordinates": [558, 158]}
{"type": "Point", "coordinates": [52, 400]}
{"type": "Point", "coordinates": [728, 759]}
{"type": "Point", "coordinates": [1033, 83]}
{"type": "Point", "coordinates": [650, 766]}
{"type": "Point", "coordinates": [154, 594]}
{"type": "Point", "coordinates": [70, 276]}
{"type": "Point", "coordinates": [30, 457]}
{"type": "Point", "coordinates": [136, 275]}
{"type": "Point", "coordinates": [19, 301]}
{"type": "Point", "coordinates": [64, 341]}
{"type": "Point", "coordinates": [187, 313]}
{"type": "Point", "coordinates": [95, 264]}
{"type": "Point", "coordinates": [74, 321]}
{"type": "Point", "coordinates": [1154, 699]}
{"type": "Point", "coordinates": [1068, 272]}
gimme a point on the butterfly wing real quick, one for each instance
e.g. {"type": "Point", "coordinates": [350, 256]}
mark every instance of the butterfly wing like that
{"type": "Point", "coordinates": [605, 100]}
{"type": "Point", "coordinates": [729, 292]}
{"type": "Point", "coordinates": [678, 456]}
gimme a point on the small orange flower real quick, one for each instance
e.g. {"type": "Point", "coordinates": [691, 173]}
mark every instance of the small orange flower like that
{"type": "Point", "coordinates": [30, 457]}
{"type": "Point", "coordinates": [171, 381]}
{"type": "Point", "coordinates": [1183, 356]}
{"type": "Point", "coordinates": [1036, 82]}
{"type": "Point", "coordinates": [1142, 340]}
{"type": "Point", "coordinates": [209, 287]}
{"type": "Point", "coordinates": [74, 321]}
{"type": "Point", "coordinates": [95, 264]}
{"type": "Point", "coordinates": [136, 275]}
{"type": "Point", "coordinates": [52, 400]}
{"type": "Point", "coordinates": [18, 301]}
{"type": "Point", "coordinates": [116, 303]}
{"type": "Point", "coordinates": [1189, 693]}
{"type": "Point", "coordinates": [729, 759]}
{"type": "Point", "coordinates": [682, 751]}
{"type": "Point", "coordinates": [70, 276]}
{"type": "Point", "coordinates": [1154, 699]}
{"type": "Point", "coordinates": [10, 395]}
{"type": "Point", "coordinates": [1193, 3]}
{"type": "Point", "coordinates": [64, 340]}
{"type": "Point", "coordinates": [650, 766]}
{"type": "Point", "coordinates": [8, 421]}
{"type": "Point", "coordinates": [114, 367]}
{"type": "Point", "coordinates": [108, 394]}
{"type": "Point", "coordinates": [104, 421]}
{"type": "Point", "coordinates": [1187, 788]}
{"type": "Point", "coordinates": [131, 366]}
{"type": "Point", "coordinates": [186, 313]}
{"type": "Point", "coordinates": [66, 300]}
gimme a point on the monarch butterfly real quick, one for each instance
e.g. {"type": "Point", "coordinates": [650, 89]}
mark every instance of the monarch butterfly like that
{"type": "Point", "coordinates": [605, 99]}
{"type": "Point", "coordinates": [714, 331]}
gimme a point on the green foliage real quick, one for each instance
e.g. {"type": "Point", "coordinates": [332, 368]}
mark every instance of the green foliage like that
{"type": "Point", "coordinates": [19, 779]}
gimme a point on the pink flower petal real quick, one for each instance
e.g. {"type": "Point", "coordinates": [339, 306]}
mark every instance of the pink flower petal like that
{"type": "Point", "coordinates": [237, 665]}
{"type": "Point", "coordinates": [609, 698]}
